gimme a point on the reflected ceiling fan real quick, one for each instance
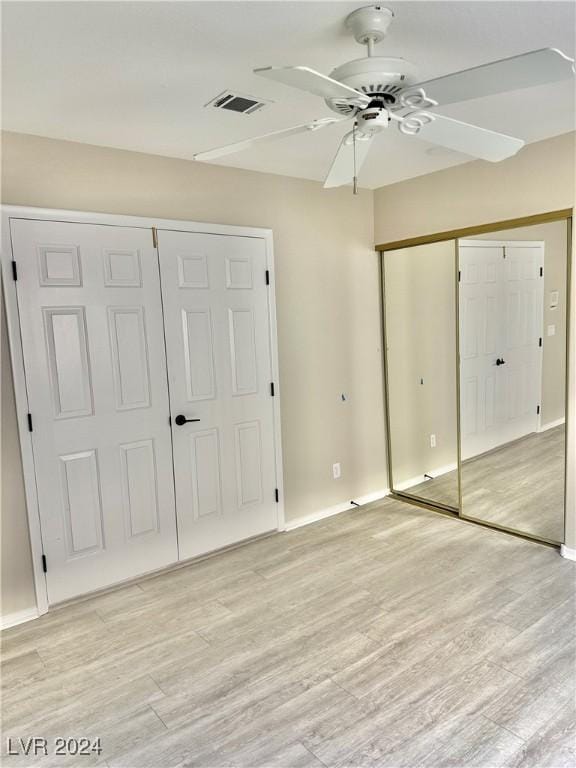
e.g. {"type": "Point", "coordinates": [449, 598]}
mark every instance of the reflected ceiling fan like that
{"type": "Point", "coordinates": [375, 91]}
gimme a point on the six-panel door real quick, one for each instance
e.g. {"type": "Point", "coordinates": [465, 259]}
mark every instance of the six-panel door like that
{"type": "Point", "coordinates": [219, 368]}
{"type": "Point", "coordinates": [92, 333]}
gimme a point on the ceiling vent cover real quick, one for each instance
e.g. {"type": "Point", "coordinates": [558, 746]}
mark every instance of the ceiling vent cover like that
{"type": "Point", "coordinates": [237, 102]}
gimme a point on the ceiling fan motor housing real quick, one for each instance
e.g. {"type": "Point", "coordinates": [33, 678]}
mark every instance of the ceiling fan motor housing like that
{"type": "Point", "coordinates": [382, 77]}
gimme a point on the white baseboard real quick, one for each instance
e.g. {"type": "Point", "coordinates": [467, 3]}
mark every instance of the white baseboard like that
{"type": "Point", "coordinates": [421, 479]}
{"type": "Point", "coordinates": [18, 617]}
{"type": "Point", "coordinates": [567, 552]}
{"type": "Point", "coordinates": [345, 506]}
{"type": "Point", "coordinates": [551, 424]}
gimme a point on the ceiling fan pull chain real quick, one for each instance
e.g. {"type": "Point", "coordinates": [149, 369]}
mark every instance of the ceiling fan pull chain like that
{"type": "Point", "coordinates": [354, 178]}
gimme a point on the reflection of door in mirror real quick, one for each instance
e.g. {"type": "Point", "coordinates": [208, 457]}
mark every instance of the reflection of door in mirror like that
{"type": "Point", "coordinates": [420, 323]}
{"type": "Point", "coordinates": [512, 317]}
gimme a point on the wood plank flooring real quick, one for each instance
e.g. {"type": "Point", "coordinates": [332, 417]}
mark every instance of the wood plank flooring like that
{"type": "Point", "coordinates": [387, 636]}
{"type": "Point", "coordinates": [519, 485]}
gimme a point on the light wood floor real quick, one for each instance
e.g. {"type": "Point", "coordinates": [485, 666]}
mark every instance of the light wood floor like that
{"type": "Point", "coordinates": [519, 485]}
{"type": "Point", "coordinates": [389, 636]}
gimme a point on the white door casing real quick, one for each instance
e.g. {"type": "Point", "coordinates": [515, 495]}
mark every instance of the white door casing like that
{"type": "Point", "coordinates": [216, 308]}
{"type": "Point", "coordinates": [501, 306]}
{"type": "Point", "coordinates": [92, 338]}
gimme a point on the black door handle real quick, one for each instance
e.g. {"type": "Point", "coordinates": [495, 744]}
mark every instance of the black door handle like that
{"type": "Point", "coordinates": [500, 361]}
{"type": "Point", "coordinates": [181, 420]}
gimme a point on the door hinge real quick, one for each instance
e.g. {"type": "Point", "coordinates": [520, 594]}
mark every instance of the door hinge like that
{"type": "Point", "coordinates": [272, 389]}
{"type": "Point", "coordinates": [154, 237]}
{"type": "Point", "coordinates": [14, 270]}
{"type": "Point", "coordinates": [537, 409]}
{"type": "Point", "coordinates": [267, 277]}
{"type": "Point", "coordinates": [541, 271]}
{"type": "Point", "coordinates": [29, 417]}
{"type": "Point", "coordinates": [540, 341]}
{"type": "Point", "coordinates": [504, 252]}
{"type": "Point", "coordinates": [276, 495]}
{"type": "Point", "coordinates": [44, 564]}
{"type": "Point", "coordinates": [459, 275]}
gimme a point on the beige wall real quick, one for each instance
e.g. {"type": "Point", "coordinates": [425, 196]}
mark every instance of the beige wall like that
{"type": "Point", "coordinates": [555, 238]}
{"type": "Point", "coordinates": [540, 178]}
{"type": "Point", "coordinates": [327, 292]}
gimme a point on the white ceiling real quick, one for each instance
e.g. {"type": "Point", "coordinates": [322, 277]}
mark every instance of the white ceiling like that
{"type": "Point", "coordinates": [136, 75]}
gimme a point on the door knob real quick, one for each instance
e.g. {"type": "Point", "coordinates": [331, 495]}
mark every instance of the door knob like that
{"type": "Point", "coordinates": [181, 420]}
{"type": "Point", "coordinates": [500, 361]}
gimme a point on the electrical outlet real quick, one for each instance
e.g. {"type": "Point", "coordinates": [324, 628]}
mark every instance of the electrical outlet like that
{"type": "Point", "coordinates": [432, 441]}
{"type": "Point", "coordinates": [336, 470]}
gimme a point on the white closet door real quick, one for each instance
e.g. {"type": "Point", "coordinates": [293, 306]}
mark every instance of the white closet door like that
{"type": "Point", "coordinates": [522, 372]}
{"type": "Point", "coordinates": [219, 367]}
{"type": "Point", "coordinates": [92, 332]}
{"type": "Point", "coordinates": [501, 294]}
{"type": "Point", "coordinates": [481, 313]}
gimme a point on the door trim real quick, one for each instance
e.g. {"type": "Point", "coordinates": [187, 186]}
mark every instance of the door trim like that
{"type": "Point", "coordinates": [480, 229]}
{"type": "Point", "coordinates": [16, 351]}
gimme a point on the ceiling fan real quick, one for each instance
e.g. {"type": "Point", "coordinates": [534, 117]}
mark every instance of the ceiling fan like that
{"type": "Point", "coordinates": [378, 90]}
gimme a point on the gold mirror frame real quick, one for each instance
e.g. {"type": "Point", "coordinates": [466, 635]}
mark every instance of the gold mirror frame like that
{"type": "Point", "coordinates": [565, 214]}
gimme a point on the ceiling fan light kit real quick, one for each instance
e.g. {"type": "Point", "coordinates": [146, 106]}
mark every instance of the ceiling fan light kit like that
{"type": "Point", "coordinates": [374, 91]}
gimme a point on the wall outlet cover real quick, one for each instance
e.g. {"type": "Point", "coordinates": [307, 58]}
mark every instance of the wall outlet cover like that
{"type": "Point", "coordinates": [336, 471]}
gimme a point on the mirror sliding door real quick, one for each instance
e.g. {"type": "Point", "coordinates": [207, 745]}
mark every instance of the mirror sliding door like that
{"type": "Point", "coordinates": [476, 356]}
{"type": "Point", "coordinates": [420, 341]}
{"type": "Point", "coordinates": [513, 302]}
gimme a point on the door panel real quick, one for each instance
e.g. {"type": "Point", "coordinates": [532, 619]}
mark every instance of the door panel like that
{"type": "Point", "coordinates": [92, 333]}
{"type": "Point", "coordinates": [129, 357]}
{"type": "Point", "coordinates": [523, 296]}
{"type": "Point", "coordinates": [219, 368]}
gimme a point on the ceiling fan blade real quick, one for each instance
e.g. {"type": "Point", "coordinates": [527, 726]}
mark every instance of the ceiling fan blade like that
{"type": "Point", "coordinates": [228, 149]}
{"type": "Point", "coordinates": [461, 137]}
{"type": "Point", "coordinates": [547, 65]}
{"type": "Point", "coordinates": [342, 169]}
{"type": "Point", "coordinates": [307, 79]}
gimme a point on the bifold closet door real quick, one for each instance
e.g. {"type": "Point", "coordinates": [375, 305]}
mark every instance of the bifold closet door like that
{"type": "Point", "coordinates": [92, 333]}
{"type": "Point", "coordinates": [219, 366]}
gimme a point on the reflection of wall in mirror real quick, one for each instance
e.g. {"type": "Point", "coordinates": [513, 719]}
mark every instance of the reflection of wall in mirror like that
{"type": "Point", "coordinates": [421, 337]}
{"type": "Point", "coordinates": [555, 240]}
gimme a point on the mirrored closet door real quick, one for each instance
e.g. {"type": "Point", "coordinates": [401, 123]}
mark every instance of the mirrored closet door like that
{"type": "Point", "coordinates": [420, 364]}
{"type": "Point", "coordinates": [512, 331]}
{"type": "Point", "coordinates": [475, 363]}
